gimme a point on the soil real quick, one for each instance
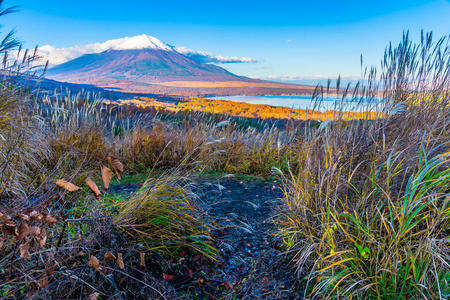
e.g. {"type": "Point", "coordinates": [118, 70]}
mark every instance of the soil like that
{"type": "Point", "coordinates": [250, 264]}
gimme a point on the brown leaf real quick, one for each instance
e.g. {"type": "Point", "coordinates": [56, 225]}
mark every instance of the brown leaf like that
{"type": "Point", "coordinates": [24, 251]}
{"type": "Point", "coordinates": [49, 220]}
{"type": "Point", "coordinates": [120, 261]}
{"type": "Point", "coordinates": [106, 176]}
{"type": "Point", "coordinates": [227, 285]}
{"type": "Point", "coordinates": [115, 163]}
{"type": "Point", "coordinates": [4, 217]}
{"type": "Point", "coordinates": [109, 256]}
{"type": "Point", "coordinates": [35, 215]}
{"type": "Point", "coordinates": [49, 271]}
{"type": "Point", "coordinates": [43, 283]}
{"type": "Point", "coordinates": [94, 188]}
{"type": "Point", "coordinates": [142, 254]}
{"type": "Point", "coordinates": [93, 296]}
{"type": "Point", "coordinates": [23, 230]}
{"type": "Point", "coordinates": [93, 262]}
{"type": "Point", "coordinates": [42, 238]}
{"type": "Point", "coordinates": [30, 293]}
{"type": "Point", "coordinates": [67, 185]}
{"type": "Point", "coordinates": [25, 217]}
{"type": "Point", "coordinates": [34, 231]}
{"type": "Point", "coordinates": [9, 228]}
{"type": "Point", "coordinates": [2, 241]}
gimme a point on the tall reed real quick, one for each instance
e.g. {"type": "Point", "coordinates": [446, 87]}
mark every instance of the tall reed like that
{"type": "Point", "coordinates": [366, 207]}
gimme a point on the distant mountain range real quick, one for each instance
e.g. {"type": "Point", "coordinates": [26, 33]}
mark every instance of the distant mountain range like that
{"type": "Point", "coordinates": [144, 64]}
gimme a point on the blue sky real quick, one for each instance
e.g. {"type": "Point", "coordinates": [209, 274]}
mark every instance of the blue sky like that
{"type": "Point", "coordinates": [296, 40]}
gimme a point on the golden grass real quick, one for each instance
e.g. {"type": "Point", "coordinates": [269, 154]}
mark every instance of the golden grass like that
{"type": "Point", "coordinates": [233, 84]}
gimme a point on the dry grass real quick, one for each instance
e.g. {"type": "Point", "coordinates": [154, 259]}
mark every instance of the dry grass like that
{"type": "Point", "coordinates": [366, 207]}
{"type": "Point", "coordinates": [234, 84]}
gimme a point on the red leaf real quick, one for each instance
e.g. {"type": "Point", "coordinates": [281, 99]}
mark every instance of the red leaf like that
{"type": "Point", "coordinates": [167, 277]}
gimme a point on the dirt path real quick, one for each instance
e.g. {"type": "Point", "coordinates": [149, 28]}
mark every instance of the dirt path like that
{"type": "Point", "coordinates": [250, 266]}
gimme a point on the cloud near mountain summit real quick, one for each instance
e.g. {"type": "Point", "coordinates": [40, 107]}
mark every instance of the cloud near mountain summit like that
{"type": "Point", "coordinates": [57, 56]}
{"type": "Point", "coordinates": [207, 57]}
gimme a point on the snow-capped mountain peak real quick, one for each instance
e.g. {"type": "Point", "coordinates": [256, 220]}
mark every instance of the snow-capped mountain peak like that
{"type": "Point", "coordinates": [57, 56]}
{"type": "Point", "coordinates": [138, 42]}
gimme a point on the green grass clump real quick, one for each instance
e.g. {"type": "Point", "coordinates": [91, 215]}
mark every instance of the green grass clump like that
{"type": "Point", "coordinates": [164, 216]}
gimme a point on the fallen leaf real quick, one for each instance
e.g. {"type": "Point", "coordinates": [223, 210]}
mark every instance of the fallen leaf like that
{"type": "Point", "coordinates": [93, 296]}
{"type": "Point", "coordinates": [109, 256]}
{"type": "Point", "coordinates": [67, 185]}
{"type": "Point", "coordinates": [227, 285]}
{"type": "Point", "coordinates": [2, 241]}
{"type": "Point", "coordinates": [49, 220]}
{"type": "Point", "coordinates": [34, 231]}
{"type": "Point", "coordinates": [34, 287]}
{"type": "Point", "coordinates": [93, 262]}
{"type": "Point", "coordinates": [49, 271]}
{"type": "Point", "coordinates": [24, 216]}
{"type": "Point", "coordinates": [115, 163]}
{"type": "Point", "coordinates": [9, 228]}
{"type": "Point", "coordinates": [191, 274]}
{"type": "Point", "coordinates": [35, 215]}
{"type": "Point", "coordinates": [94, 188]}
{"type": "Point", "coordinates": [4, 217]}
{"type": "Point", "coordinates": [42, 238]}
{"type": "Point", "coordinates": [167, 277]}
{"type": "Point", "coordinates": [120, 261]}
{"type": "Point", "coordinates": [24, 251]}
{"type": "Point", "coordinates": [23, 230]}
{"type": "Point", "coordinates": [142, 255]}
{"type": "Point", "coordinates": [106, 176]}
{"type": "Point", "coordinates": [103, 270]}
{"type": "Point", "coordinates": [43, 283]}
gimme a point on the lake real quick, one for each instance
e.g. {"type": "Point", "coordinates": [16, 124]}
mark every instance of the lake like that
{"type": "Point", "coordinates": [296, 101]}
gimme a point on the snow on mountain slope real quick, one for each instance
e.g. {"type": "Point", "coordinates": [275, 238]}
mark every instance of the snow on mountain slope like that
{"type": "Point", "coordinates": [138, 42]}
{"type": "Point", "coordinates": [57, 56]}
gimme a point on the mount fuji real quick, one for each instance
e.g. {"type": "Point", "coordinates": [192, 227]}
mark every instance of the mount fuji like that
{"type": "Point", "coordinates": [144, 64]}
{"type": "Point", "coordinates": [141, 58]}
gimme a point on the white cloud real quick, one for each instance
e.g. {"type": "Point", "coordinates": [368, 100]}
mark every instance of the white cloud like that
{"type": "Point", "coordinates": [207, 57]}
{"type": "Point", "coordinates": [57, 56]}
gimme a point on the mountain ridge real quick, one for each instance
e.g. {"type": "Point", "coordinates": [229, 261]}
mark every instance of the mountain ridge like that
{"type": "Point", "coordinates": [145, 64]}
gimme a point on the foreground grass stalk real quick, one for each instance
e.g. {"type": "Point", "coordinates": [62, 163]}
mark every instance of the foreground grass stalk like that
{"type": "Point", "coordinates": [366, 207]}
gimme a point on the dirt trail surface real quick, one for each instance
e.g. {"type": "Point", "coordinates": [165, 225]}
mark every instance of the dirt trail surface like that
{"type": "Point", "coordinates": [251, 265]}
